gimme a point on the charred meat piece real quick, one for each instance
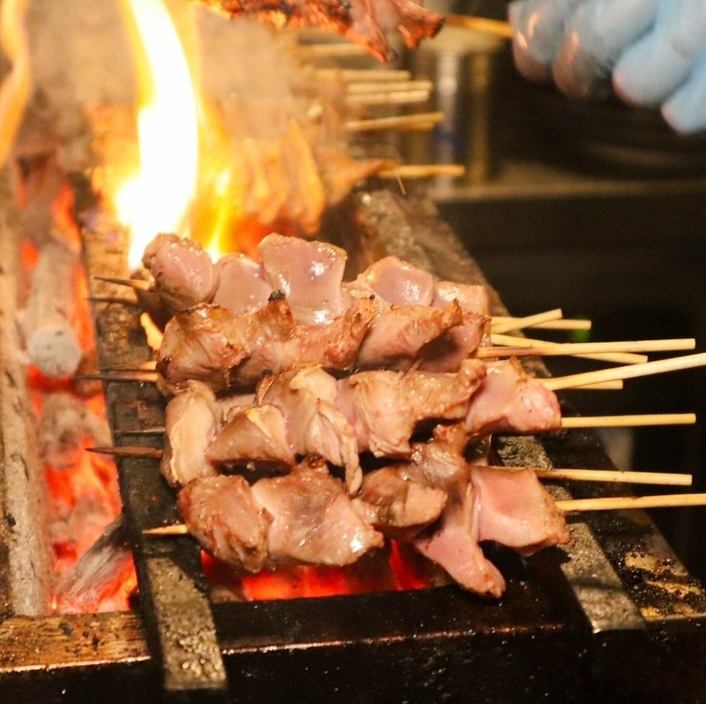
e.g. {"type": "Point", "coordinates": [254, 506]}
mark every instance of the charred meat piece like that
{"type": "Point", "coordinates": [384, 407]}
{"type": "Point", "coordinates": [223, 515]}
{"type": "Point", "coordinates": [397, 335]}
{"type": "Point", "coordinates": [192, 419]}
{"type": "Point", "coordinates": [196, 346]}
{"type": "Point", "coordinates": [183, 273]}
{"type": "Point", "coordinates": [312, 518]}
{"type": "Point", "coordinates": [306, 398]}
{"type": "Point", "coordinates": [370, 411]}
{"type": "Point", "coordinates": [460, 342]}
{"type": "Point", "coordinates": [364, 21]}
{"type": "Point", "coordinates": [255, 434]}
{"type": "Point", "coordinates": [440, 462]}
{"type": "Point", "coordinates": [395, 503]}
{"type": "Point", "coordinates": [309, 274]}
{"type": "Point", "coordinates": [517, 511]}
{"type": "Point", "coordinates": [242, 286]}
{"type": "Point", "coordinates": [511, 401]}
{"type": "Point", "coordinates": [212, 345]}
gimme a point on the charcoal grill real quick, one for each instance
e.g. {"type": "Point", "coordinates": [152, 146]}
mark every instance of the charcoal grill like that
{"type": "Point", "coordinates": [615, 615]}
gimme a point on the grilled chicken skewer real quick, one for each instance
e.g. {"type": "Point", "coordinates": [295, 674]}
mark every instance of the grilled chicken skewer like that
{"type": "Point", "coordinates": [365, 23]}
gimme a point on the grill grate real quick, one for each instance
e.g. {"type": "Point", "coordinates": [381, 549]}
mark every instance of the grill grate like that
{"type": "Point", "coordinates": [573, 625]}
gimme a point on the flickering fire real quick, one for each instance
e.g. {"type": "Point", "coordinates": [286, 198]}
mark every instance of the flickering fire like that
{"type": "Point", "coordinates": [184, 182]}
{"type": "Point", "coordinates": [158, 198]}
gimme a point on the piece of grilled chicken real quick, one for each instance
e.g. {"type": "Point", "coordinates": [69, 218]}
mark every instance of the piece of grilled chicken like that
{"type": "Point", "coordinates": [366, 22]}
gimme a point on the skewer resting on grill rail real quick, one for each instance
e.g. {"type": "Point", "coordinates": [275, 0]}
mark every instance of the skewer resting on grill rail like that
{"type": "Point", "coordinates": [650, 419]}
{"type": "Point", "coordinates": [609, 503]}
{"type": "Point", "coordinates": [146, 376]}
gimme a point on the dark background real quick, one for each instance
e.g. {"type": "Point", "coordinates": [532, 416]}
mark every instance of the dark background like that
{"type": "Point", "coordinates": [601, 210]}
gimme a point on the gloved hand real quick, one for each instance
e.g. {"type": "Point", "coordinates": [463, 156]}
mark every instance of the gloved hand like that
{"type": "Point", "coordinates": [652, 51]}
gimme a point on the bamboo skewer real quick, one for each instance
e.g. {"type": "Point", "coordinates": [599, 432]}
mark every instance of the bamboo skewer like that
{"type": "Point", "coordinates": [577, 422]}
{"type": "Point", "coordinates": [422, 171]}
{"type": "Point", "coordinates": [615, 503]}
{"type": "Point", "coordinates": [609, 503]}
{"type": "Point", "coordinates": [363, 88]}
{"type": "Point", "coordinates": [621, 352]}
{"type": "Point", "coordinates": [498, 28]}
{"type": "Point", "coordinates": [603, 386]}
{"type": "Point", "coordinates": [618, 358]}
{"type": "Point", "coordinates": [366, 74]}
{"type": "Point", "coordinates": [146, 376]}
{"type": "Point", "coordinates": [330, 50]}
{"type": "Point", "coordinates": [137, 284]}
{"type": "Point", "coordinates": [607, 475]}
{"type": "Point", "coordinates": [633, 371]}
{"type": "Point", "coordinates": [562, 324]}
{"type": "Point", "coordinates": [628, 421]}
{"type": "Point", "coordinates": [166, 531]}
{"type": "Point", "coordinates": [528, 321]}
{"type": "Point", "coordinates": [557, 350]}
{"type": "Point", "coordinates": [399, 97]}
{"type": "Point", "coordinates": [416, 122]}
{"type": "Point", "coordinates": [151, 453]}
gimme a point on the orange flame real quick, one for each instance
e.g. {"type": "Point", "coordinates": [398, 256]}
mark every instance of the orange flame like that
{"type": "Point", "coordinates": [185, 179]}
{"type": "Point", "coordinates": [158, 197]}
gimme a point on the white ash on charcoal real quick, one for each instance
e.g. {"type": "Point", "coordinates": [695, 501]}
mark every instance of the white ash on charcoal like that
{"type": "Point", "coordinates": [66, 424]}
{"type": "Point", "coordinates": [47, 319]}
{"type": "Point", "coordinates": [97, 581]}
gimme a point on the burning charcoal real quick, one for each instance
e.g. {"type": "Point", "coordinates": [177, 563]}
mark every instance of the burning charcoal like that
{"type": "Point", "coordinates": [47, 318]}
{"type": "Point", "coordinates": [42, 186]}
{"type": "Point", "coordinates": [98, 579]}
{"type": "Point", "coordinates": [192, 418]}
{"type": "Point", "coordinates": [66, 423]}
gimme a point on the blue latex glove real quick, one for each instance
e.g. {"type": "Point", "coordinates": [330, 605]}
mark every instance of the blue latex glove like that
{"type": "Point", "coordinates": [653, 51]}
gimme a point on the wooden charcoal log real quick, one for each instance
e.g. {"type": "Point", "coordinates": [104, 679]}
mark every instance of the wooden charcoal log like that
{"type": "Point", "coordinates": [46, 321]}
{"type": "Point", "coordinates": [66, 421]}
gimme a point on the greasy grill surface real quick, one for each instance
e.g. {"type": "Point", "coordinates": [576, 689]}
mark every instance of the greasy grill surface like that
{"type": "Point", "coordinates": [594, 621]}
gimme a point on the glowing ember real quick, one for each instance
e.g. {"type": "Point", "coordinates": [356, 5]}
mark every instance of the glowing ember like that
{"type": "Point", "coordinates": [396, 570]}
{"type": "Point", "coordinates": [159, 197]}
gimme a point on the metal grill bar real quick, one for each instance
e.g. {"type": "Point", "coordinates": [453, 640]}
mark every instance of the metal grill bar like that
{"type": "Point", "coordinates": [173, 592]}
